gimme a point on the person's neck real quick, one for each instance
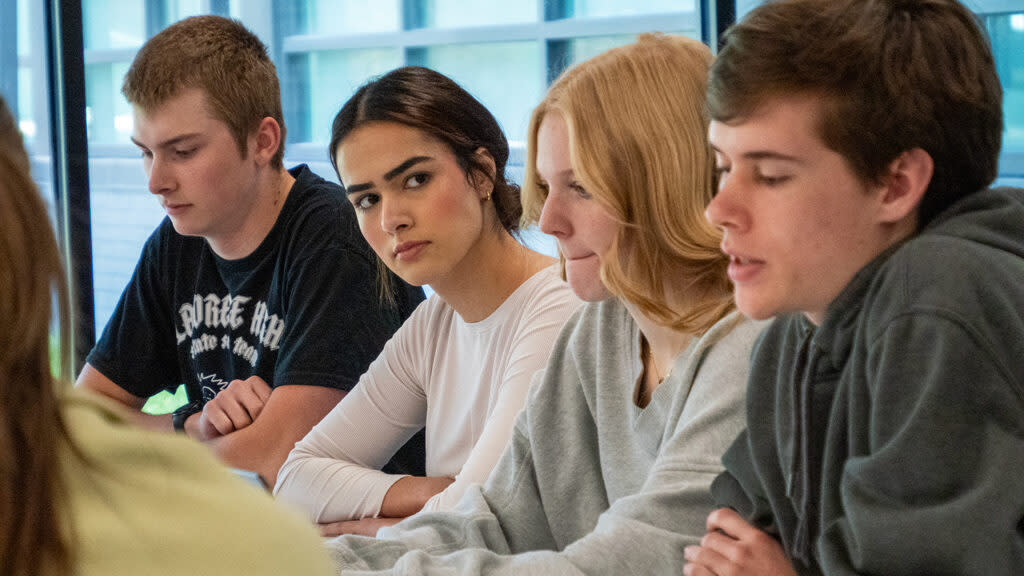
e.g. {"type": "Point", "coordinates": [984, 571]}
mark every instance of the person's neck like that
{"type": "Point", "coordinates": [274, 185]}
{"type": "Point", "coordinates": [663, 346]}
{"type": "Point", "coordinates": [887, 237]}
{"type": "Point", "coordinates": [492, 270]}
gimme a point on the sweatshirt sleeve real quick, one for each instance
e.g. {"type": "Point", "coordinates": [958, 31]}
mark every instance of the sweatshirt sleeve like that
{"type": "Point", "coordinates": [333, 473]}
{"type": "Point", "coordinates": [481, 535]}
{"type": "Point", "coordinates": [941, 490]}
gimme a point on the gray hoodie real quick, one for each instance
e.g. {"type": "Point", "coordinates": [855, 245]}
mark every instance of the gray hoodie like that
{"type": "Point", "coordinates": [890, 439]}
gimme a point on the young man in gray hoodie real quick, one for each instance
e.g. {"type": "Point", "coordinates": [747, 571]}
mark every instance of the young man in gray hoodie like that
{"type": "Point", "coordinates": [885, 411]}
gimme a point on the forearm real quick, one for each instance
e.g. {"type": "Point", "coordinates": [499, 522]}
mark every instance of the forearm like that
{"type": "Point", "coordinates": [158, 422]}
{"type": "Point", "coordinates": [408, 495]}
{"type": "Point", "coordinates": [470, 540]}
{"type": "Point", "coordinates": [252, 448]}
{"type": "Point", "coordinates": [288, 415]}
{"type": "Point", "coordinates": [96, 382]}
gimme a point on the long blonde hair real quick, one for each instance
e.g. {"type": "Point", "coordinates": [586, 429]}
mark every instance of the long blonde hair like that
{"type": "Point", "coordinates": [34, 536]}
{"type": "Point", "coordinates": [638, 142]}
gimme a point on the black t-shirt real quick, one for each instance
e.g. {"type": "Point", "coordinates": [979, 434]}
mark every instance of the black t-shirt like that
{"type": "Point", "coordinates": [303, 308]}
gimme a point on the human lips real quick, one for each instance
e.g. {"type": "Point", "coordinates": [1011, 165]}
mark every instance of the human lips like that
{"type": "Point", "coordinates": [175, 208]}
{"type": "Point", "coordinates": [409, 250]}
{"type": "Point", "coordinates": [743, 268]}
{"type": "Point", "coordinates": [579, 256]}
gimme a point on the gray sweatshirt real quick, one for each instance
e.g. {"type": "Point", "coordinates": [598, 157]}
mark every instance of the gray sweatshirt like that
{"type": "Point", "coordinates": [590, 483]}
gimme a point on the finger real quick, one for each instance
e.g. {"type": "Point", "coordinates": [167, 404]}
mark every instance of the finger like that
{"type": "Point", "coordinates": [723, 545]}
{"type": "Point", "coordinates": [330, 529]}
{"type": "Point", "coordinates": [237, 413]}
{"type": "Point", "coordinates": [259, 386]}
{"type": "Point", "coordinates": [728, 521]}
{"type": "Point", "coordinates": [710, 561]}
{"type": "Point", "coordinates": [251, 402]}
{"type": "Point", "coordinates": [206, 428]}
{"type": "Point", "coordinates": [217, 418]}
{"type": "Point", "coordinates": [697, 570]}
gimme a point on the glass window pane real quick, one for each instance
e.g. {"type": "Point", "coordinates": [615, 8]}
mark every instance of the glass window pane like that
{"type": "Point", "coordinates": [108, 116]}
{"type": "Point", "coordinates": [606, 8]}
{"type": "Point", "coordinates": [175, 10]}
{"type": "Point", "coordinates": [26, 107]}
{"type": "Point", "coordinates": [25, 91]}
{"type": "Point", "coordinates": [23, 28]}
{"type": "Point", "coordinates": [1007, 34]}
{"type": "Point", "coordinates": [460, 13]}
{"type": "Point", "coordinates": [333, 77]}
{"type": "Point", "coordinates": [484, 71]}
{"type": "Point", "coordinates": [113, 24]}
{"type": "Point", "coordinates": [581, 49]}
{"type": "Point", "coordinates": [344, 17]}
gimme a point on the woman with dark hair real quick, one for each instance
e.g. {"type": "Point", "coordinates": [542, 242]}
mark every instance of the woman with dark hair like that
{"type": "Point", "coordinates": [82, 491]}
{"type": "Point", "coordinates": [423, 163]}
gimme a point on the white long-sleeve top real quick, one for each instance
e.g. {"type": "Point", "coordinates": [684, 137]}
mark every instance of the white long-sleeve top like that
{"type": "Point", "coordinates": [465, 382]}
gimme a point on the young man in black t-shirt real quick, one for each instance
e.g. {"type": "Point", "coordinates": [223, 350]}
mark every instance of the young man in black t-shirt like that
{"type": "Point", "coordinates": [258, 291]}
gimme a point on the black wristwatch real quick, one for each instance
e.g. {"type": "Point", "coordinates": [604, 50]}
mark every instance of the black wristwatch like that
{"type": "Point", "coordinates": [179, 416]}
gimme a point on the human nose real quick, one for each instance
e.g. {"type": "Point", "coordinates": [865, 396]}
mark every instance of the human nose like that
{"type": "Point", "coordinates": [394, 215]}
{"type": "Point", "coordinates": [160, 177]}
{"type": "Point", "coordinates": [725, 210]}
{"type": "Point", "coordinates": [553, 219]}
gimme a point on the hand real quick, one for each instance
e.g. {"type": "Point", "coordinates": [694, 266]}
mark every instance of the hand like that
{"type": "Point", "coordinates": [732, 547]}
{"type": "Point", "coordinates": [234, 408]}
{"type": "Point", "coordinates": [364, 527]}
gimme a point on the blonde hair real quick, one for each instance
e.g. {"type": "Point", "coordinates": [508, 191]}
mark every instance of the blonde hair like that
{"type": "Point", "coordinates": [34, 537]}
{"type": "Point", "coordinates": [638, 143]}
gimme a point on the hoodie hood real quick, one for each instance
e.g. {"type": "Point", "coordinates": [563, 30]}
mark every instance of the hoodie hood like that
{"type": "Point", "coordinates": [993, 217]}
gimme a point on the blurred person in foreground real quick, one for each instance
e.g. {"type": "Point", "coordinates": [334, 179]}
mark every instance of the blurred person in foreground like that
{"type": "Point", "coordinates": [82, 491]}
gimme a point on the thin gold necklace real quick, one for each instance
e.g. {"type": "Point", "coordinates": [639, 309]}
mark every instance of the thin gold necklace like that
{"type": "Point", "coordinates": [654, 364]}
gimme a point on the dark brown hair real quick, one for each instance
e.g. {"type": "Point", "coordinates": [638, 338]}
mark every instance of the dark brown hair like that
{"type": "Point", "coordinates": [220, 57]}
{"type": "Point", "coordinates": [34, 535]}
{"type": "Point", "coordinates": [895, 74]}
{"type": "Point", "coordinates": [434, 104]}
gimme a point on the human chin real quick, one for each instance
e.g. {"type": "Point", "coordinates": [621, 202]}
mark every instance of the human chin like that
{"type": "Point", "coordinates": [584, 278]}
{"type": "Point", "coordinates": [413, 274]}
{"type": "Point", "coordinates": [185, 226]}
{"type": "Point", "coordinates": [754, 304]}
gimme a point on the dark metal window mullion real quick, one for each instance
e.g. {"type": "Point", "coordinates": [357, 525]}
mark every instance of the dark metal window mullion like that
{"type": "Point", "coordinates": [66, 79]}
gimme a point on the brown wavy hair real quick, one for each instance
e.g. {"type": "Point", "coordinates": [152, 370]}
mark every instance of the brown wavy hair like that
{"type": "Point", "coordinates": [638, 143]}
{"type": "Point", "coordinates": [34, 536]}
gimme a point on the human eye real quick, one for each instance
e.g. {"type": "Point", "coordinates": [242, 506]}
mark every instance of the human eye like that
{"type": "Point", "coordinates": [145, 153]}
{"type": "Point", "coordinates": [364, 202]}
{"type": "Point", "coordinates": [185, 153]}
{"type": "Point", "coordinates": [770, 178]}
{"type": "Point", "coordinates": [417, 180]}
{"type": "Point", "coordinates": [579, 190]}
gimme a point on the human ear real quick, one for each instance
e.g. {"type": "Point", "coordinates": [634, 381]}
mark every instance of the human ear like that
{"type": "Point", "coordinates": [266, 140]}
{"type": "Point", "coordinates": [905, 184]}
{"type": "Point", "coordinates": [484, 185]}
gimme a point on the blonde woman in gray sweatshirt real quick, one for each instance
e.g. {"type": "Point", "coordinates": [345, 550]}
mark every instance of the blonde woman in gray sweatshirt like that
{"type": "Point", "coordinates": [610, 463]}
